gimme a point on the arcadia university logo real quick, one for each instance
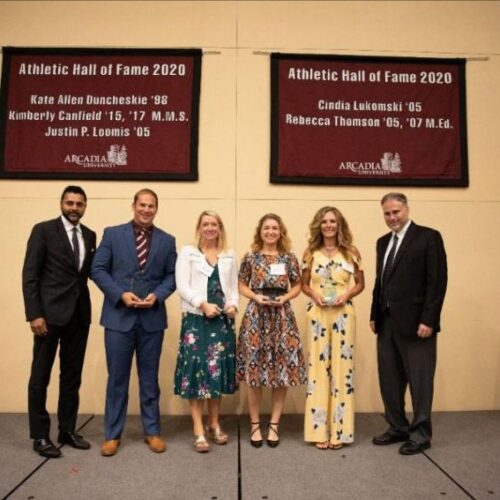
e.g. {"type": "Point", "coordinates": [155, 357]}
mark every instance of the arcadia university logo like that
{"type": "Point", "coordinates": [390, 163]}
{"type": "Point", "coordinates": [116, 156]}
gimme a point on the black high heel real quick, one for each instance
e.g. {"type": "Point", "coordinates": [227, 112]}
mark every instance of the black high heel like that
{"type": "Point", "coordinates": [256, 443]}
{"type": "Point", "coordinates": [273, 426]}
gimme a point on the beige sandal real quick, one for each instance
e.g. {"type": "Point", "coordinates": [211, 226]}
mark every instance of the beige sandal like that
{"type": "Point", "coordinates": [201, 444]}
{"type": "Point", "coordinates": [322, 445]}
{"type": "Point", "coordinates": [337, 446]}
{"type": "Point", "coordinates": [217, 435]}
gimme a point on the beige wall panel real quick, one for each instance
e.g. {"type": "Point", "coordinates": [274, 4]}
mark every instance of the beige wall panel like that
{"type": "Point", "coordinates": [118, 24]}
{"type": "Point", "coordinates": [356, 27]}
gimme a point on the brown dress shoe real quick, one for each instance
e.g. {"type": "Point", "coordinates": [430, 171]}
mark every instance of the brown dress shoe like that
{"type": "Point", "coordinates": [110, 447]}
{"type": "Point", "coordinates": [155, 443]}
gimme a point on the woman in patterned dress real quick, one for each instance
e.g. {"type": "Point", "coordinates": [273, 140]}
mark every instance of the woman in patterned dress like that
{"type": "Point", "coordinates": [269, 353]}
{"type": "Point", "coordinates": [329, 262]}
{"type": "Point", "coordinates": [207, 282]}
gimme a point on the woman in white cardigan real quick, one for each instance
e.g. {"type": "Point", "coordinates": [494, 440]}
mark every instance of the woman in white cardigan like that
{"type": "Point", "coordinates": [207, 282]}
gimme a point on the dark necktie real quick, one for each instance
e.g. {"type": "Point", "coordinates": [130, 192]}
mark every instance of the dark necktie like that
{"type": "Point", "coordinates": [142, 248]}
{"type": "Point", "coordinates": [76, 247]}
{"type": "Point", "coordinates": [387, 270]}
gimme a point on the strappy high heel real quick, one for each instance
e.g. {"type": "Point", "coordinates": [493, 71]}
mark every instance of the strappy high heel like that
{"type": "Point", "coordinates": [256, 443]}
{"type": "Point", "coordinates": [273, 426]}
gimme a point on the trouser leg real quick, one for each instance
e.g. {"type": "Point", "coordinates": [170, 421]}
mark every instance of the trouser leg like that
{"type": "Point", "coordinates": [44, 352]}
{"type": "Point", "coordinates": [119, 353]}
{"type": "Point", "coordinates": [419, 358]}
{"type": "Point", "coordinates": [149, 346]}
{"type": "Point", "coordinates": [71, 354]}
{"type": "Point", "coordinates": [392, 378]}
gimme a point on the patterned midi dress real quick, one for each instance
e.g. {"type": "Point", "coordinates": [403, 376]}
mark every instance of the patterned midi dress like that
{"type": "Point", "coordinates": [206, 358]}
{"type": "Point", "coordinates": [269, 352]}
{"type": "Point", "coordinates": [329, 413]}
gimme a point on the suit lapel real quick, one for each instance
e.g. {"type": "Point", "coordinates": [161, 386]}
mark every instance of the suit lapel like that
{"type": "Point", "coordinates": [155, 245]}
{"type": "Point", "coordinates": [129, 238]}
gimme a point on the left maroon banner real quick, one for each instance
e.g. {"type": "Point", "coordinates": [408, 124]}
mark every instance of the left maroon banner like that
{"type": "Point", "coordinates": [118, 114]}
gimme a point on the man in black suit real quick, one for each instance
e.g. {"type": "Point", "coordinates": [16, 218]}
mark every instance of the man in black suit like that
{"type": "Point", "coordinates": [57, 304]}
{"type": "Point", "coordinates": [407, 300]}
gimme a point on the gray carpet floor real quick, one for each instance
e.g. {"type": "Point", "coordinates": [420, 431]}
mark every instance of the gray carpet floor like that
{"type": "Point", "coordinates": [464, 462]}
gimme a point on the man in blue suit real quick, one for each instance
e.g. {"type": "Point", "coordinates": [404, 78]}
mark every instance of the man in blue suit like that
{"type": "Point", "coordinates": [134, 266]}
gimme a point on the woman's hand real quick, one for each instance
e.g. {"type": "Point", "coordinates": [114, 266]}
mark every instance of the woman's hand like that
{"type": "Point", "coordinates": [230, 311]}
{"type": "Point", "coordinates": [210, 310]}
{"type": "Point", "coordinates": [262, 300]}
{"type": "Point", "coordinates": [341, 300]}
{"type": "Point", "coordinates": [317, 299]}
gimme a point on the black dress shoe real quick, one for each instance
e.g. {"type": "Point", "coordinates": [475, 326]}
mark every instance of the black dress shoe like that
{"type": "Point", "coordinates": [256, 443]}
{"type": "Point", "coordinates": [412, 447]}
{"type": "Point", "coordinates": [273, 427]}
{"type": "Point", "coordinates": [388, 438]}
{"type": "Point", "coordinates": [74, 440]}
{"type": "Point", "coordinates": [46, 448]}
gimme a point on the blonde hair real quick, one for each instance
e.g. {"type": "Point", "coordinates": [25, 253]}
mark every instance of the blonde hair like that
{"type": "Point", "coordinates": [284, 243]}
{"type": "Point", "coordinates": [221, 240]}
{"type": "Point", "coordinates": [343, 237]}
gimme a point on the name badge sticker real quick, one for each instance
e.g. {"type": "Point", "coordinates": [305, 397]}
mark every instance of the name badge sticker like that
{"type": "Point", "coordinates": [206, 268]}
{"type": "Point", "coordinates": [277, 269]}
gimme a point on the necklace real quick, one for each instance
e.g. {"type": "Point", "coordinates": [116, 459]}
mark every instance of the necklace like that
{"type": "Point", "coordinates": [330, 249]}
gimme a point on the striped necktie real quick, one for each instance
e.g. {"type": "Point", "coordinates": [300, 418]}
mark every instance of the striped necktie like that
{"type": "Point", "coordinates": [141, 243]}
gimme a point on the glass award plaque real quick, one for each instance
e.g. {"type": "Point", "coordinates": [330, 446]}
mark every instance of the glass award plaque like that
{"type": "Point", "coordinates": [140, 286]}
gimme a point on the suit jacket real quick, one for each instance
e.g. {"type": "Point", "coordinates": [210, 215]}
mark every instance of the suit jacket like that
{"type": "Point", "coordinates": [114, 267]}
{"type": "Point", "coordinates": [416, 285]}
{"type": "Point", "coordinates": [52, 284]}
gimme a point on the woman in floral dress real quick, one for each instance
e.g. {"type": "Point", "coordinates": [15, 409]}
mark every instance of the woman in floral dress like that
{"type": "Point", "coordinates": [269, 353]}
{"type": "Point", "coordinates": [207, 281]}
{"type": "Point", "coordinates": [329, 263]}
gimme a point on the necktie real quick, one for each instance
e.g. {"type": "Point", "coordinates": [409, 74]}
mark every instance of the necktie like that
{"type": "Point", "coordinates": [142, 248]}
{"type": "Point", "coordinates": [387, 270]}
{"type": "Point", "coordinates": [76, 247]}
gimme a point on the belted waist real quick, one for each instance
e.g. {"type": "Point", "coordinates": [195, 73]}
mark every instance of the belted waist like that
{"type": "Point", "coordinates": [271, 292]}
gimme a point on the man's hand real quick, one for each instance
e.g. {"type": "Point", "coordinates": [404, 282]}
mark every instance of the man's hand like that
{"type": "Point", "coordinates": [424, 331]}
{"type": "Point", "coordinates": [39, 326]}
{"type": "Point", "coordinates": [130, 299]}
{"type": "Point", "coordinates": [148, 302]}
{"type": "Point", "coordinates": [372, 326]}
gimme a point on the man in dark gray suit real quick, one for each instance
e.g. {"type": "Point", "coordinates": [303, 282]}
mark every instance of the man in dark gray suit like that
{"type": "Point", "coordinates": [57, 304]}
{"type": "Point", "coordinates": [405, 314]}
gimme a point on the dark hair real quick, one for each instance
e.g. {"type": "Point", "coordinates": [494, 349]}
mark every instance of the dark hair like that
{"type": "Point", "coordinates": [74, 189]}
{"type": "Point", "coordinates": [395, 196]}
{"type": "Point", "coordinates": [146, 191]}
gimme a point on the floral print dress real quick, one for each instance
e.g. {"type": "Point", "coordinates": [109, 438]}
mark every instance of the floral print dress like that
{"type": "Point", "coordinates": [269, 352]}
{"type": "Point", "coordinates": [329, 413]}
{"type": "Point", "coordinates": [206, 359]}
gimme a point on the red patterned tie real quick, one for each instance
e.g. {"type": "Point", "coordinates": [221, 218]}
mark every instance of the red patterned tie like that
{"type": "Point", "coordinates": [141, 243]}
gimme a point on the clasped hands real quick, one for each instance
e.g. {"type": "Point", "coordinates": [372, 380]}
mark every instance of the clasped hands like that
{"type": "Point", "coordinates": [264, 300]}
{"type": "Point", "coordinates": [340, 300]}
{"type": "Point", "coordinates": [211, 310]}
{"type": "Point", "coordinates": [131, 300]}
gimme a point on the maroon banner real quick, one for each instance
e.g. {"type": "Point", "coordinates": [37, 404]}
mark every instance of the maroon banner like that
{"type": "Point", "coordinates": [368, 120]}
{"type": "Point", "coordinates": [116, 114]}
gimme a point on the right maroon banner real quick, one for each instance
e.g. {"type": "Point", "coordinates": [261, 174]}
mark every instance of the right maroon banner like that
{"type": "Point", "coordinates": [368, 120]}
